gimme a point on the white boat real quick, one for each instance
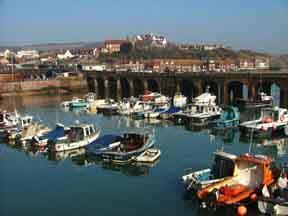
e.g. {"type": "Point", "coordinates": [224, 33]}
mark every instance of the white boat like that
{"type": "Point", "coordinates": [202, 111]}
{"type": "Point", "coordinates": [90, 97]}
{"type": "Point", "coordinates": [110, 107]}
{"type": "Point", "coordinates": [155, 113]}
{"type": "Point", "coordinates": [272, 121]}
{"type": "Point", "coordinates": [131, 107]}
{"type": "Point", "coordinates": [179, 101]}
{"type": "Point", "coordinates": [78, 136]}
{"type": "Point", "coordinates": [148, 156]}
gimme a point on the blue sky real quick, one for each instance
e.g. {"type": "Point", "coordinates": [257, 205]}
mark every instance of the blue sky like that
{"type": "Point", "coordinates": [255, 24]}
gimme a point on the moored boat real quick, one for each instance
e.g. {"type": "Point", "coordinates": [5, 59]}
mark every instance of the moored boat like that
{"type": "Point", "coordinates": [223, 166]}
{"type": "Point", "coordinates": [272, 121]}
{"type": "Point", "coordinates": [78, 136]}
{"type": "Point", "coordinates": [250, 173]}
{"type": "Point", "coordinates": [148, 156]}
{"type": "Point", "coordinates": [130, 145]}
{"type": "Point", "coordinates": [230, 117]}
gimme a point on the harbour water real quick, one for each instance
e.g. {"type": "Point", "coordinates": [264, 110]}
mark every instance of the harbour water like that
{"type": "Point", "coordinates": [35, 183]}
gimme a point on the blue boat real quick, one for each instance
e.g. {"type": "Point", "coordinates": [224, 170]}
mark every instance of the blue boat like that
{"type": "Point", "coordinates": [230, 117]}
{"type": "Point", "coordinates": [58, 132]}
{"type": "Point", "coordinates": [170, 112]}
{"type": "Point", "coordinates": [121, 149]}
{"type": "Point", "coordinates": [103, 143]}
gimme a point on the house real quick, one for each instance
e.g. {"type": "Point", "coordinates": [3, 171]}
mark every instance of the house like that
{"type": "Point", "coordinates": [66, 55]}
{"type": "Point", "coordinates": [246, 64]}
{"type": "Point", "coordinates": [27, 54]}
{"type": "Point", "coordinates": [176, 65]}
{"type": "Point", "coordinates": [151, 39]}
{"type": "Point", "coordinates": [95, 67]}
{"type": "Point", "coordinates": [262, 62]}
{"type": "Point", "coordinates": [113, 46]}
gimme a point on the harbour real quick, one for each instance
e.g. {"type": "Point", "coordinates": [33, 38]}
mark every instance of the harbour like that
{"type": "Point", "coordinates": [35, 180]}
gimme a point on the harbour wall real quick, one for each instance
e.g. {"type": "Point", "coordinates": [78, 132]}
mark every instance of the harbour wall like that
{"type": "Point", "coordinates": [64, 85]}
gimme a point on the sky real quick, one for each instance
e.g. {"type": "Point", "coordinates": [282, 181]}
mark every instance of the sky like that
{"type": "Point", "coordinates": [242, 24]}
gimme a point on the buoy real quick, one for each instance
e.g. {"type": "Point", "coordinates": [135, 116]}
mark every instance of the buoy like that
{"type": "Point", "coordinates": [253, 197]}
{"type": "Point", "coordinates": [241, 210]}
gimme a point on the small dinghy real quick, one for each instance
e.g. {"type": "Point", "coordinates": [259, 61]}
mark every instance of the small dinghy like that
{"type": "Point", "coordinates": [148, 156]}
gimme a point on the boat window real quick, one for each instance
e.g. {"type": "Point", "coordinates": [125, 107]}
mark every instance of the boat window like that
{"type": "Point", "coordinates": [222, 167]}
{"type": "Point", "coordinates": [87, 131]}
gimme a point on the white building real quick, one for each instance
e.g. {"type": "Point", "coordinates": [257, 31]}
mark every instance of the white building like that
{"type": "Point", "coordinates": [66, 55]}
{"type": "Point", "coordinates": [156, 40]}
{"type": "Point", "coordinates": [28, 54]}
{"type": "Point", "coordinates": [94, 67]}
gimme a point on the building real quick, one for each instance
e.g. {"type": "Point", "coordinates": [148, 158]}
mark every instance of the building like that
{"type": "Point", "coordinates": [175, 65]}
{"type": "Point", "coordinates": [27, 54]}
{"type": "Point", "coordinates": [262, 62]}
{"type": "Point", "coordinates": [94, 67]}
{"type": "Point", "coordinates": [151, 40]}
{"type": "Point", "coordinates": [66, 55]}
{"type": "Point", "coordinates": [112, 46]}
{"type": "Point", "coordinates": [246, 64]}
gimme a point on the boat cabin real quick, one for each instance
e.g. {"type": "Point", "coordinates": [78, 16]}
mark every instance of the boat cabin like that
{"type": "Point", "coordinates": [275, 114]}
{"type": "Point", "coordinates": [25, 121]}
{"type": "Point", "coordinates": [79, 132]}
{"type": "Point", "coordinates": [224, 164]}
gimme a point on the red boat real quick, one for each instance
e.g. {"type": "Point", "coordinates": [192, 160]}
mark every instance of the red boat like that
{"type": "Point", "coordinates": [251, 173]}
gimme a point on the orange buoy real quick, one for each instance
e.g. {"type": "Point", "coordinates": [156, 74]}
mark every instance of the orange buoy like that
{"type": "Point", "coordinates": [253, 197]}
{"type": "Point", "coordinates": [241, 210]}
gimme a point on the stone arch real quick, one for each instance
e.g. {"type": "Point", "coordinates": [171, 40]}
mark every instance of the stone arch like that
{"type": "Point", "coordinates": [213, 87]}
{"type": "Point", "coordinates": [91, 84]}
{"type": "Point", "coordinates": [138, 87]}
{"type": "Point", "coordinates": [188, 89]}
{"type": "Point", "coordinates": [100, 87]}
{"type": "Point", "coordinates": [153, 85]}
{"type": "Point", "coordinates": [235, 91]}
{"type": "Point", "coordinates": [112, 88]}
{"type": "Point", "coordinates": [125, 88]}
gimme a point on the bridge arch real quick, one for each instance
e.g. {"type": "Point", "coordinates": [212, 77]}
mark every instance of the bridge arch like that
{"type": "Point", "coordinates": [138, 87]}
{"type": "Point", "coordinates": [112, 88]}
{"type": "Point", "coordinates": [188, 88]}
{"type": "Point", "coordinates": [235, 91]}
{"type": "Point", "coordinates": [100, 87]}
{"type": "Point", "coordinates": [125, 88]}
{"type": "Point", "coordinates": [153, 85]}
{"type": "Point", "coordinates": [91, 84]}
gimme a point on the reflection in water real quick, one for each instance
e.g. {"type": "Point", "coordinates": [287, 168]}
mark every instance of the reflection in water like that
{"type": "Point", "coordinates": [274, 147]}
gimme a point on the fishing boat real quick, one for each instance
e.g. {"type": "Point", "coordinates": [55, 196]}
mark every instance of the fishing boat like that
{"type": "Point", "coordinates": [251, 172]}
{"type": "Point", "coordinates": [103, 143]}
{"type": "Point", "coordinates": [262, 100]}
{"type": "Point", "coordinates": [168, 114]}
{"type": "Point", "coordinates": [155, 98]}
{"type": "Point", "coordinates": [155, 113]}
{"type": "Point", "coordinates": [110, 107]}
{"type": "Point", "coordinates": [8, 120]}
{"type": "Point", "coordinates": [78, 103]}
{"type": "Point", "coordinates": [148, 156]}
{"type": "Point", "coordinates": [25, 135]}
{"type": "Point", "coordinates": [130, 145]}
{"type": "Point", "coordinates": [78, 136]}
{"type": "Point", "coordinates": [132, 106]}
{"type": "Point", "coordinates": [230, 117]}
{"type": "Point", "coordinates": [272, 121]}
{"type": "Point", "coordinates": [274, 199]}
{"type": "Point", "coordinates": [57, 132]}
{"type": "Point", "coordinates": [202, 111]}
{"type": "Point", "coordinates": [223, 166]}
